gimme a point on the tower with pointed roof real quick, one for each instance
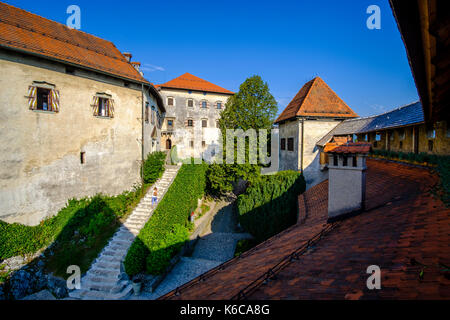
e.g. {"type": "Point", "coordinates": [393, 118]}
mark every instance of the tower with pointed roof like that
{"type": "Point", "coordinates": [193, 108]}
{"type": "Point", "coordinates": [314, 111]}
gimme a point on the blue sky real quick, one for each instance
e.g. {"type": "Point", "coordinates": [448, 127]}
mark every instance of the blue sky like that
{"type": "Point", "coordinates": [287, 43]}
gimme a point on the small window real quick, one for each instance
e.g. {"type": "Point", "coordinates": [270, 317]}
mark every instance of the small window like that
{"type": "Point", "coordinates": [391, 136]}
{"type": "Point", "coordinates": [355, 138]}
{"type": "Point", "coordinates": [191, 143]}
{"type": "Point", "coordinates": [170, 101]}
{"type": "Point", "coordinates": [430, 145]}
{"type": "Point", "coordinates": [335, 160]}
{"type": "Point", "coordinates": [153, 114]}
{"type": "Point", "coordinates": [345, 161]}
{"type": "Point", "coordinates": [291, 144]}
{"type": "Point", "coordinates": [83, 157]}
{"type": "Point", "coordinates": [190, 103]}
{"type": "Point", "coordinates": [170, 123]}
{"type": "Point", "coordinates": [147, 110]}
{"type": "Point", "coordinates": [400, 145]}
{"type": "Point", "coordinates": [204, 104]}
{"type": "Point", "coordinates": [190, 123]}
{"type": "Point", "coordinates": [103, 110]}
{"type": "Point", "coordinates": [126, 84]}
{"type": "Point", "coordinates": [203, 144]}
{"type": "Point", "coordinates": [355, 161]}
{"type": "Point", "coordinates": [431, 133]}
{"type": "Point", "coordinates": [204, 123]}
{"type": "Point", "coordinates": [219, 105]}
{"type": "Point", "coordinates": [283, 144]}
{"type": "Point", "coordinates": [43, 99]}
{"type": "Point", "coordinates": [366, 138]}
{"type": "Point", "coordinates": [401, 134]}
{"type": "Point", "coordinates": [378, 137]}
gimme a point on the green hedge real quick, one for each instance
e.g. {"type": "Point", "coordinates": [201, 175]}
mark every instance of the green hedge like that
{"type": "Point", "coordinates": [269, 205]}
{"type": "Point", "coordinates": [168, 229]}
{"type": "Point", "coordinates": [153, 167]}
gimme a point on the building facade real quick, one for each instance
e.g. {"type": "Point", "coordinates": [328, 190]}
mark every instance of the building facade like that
{"type": "Point", "coordinates": [71, 117]}
{"type": "Point", "coordinates": [193, 109]}
{"type": "Point", "coordinates": [401, 130]}
{"type": "Point", "coordinates": [314, 111]}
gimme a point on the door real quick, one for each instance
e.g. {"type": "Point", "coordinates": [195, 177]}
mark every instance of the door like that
{"type": "Point", "coordinates": [168, 144]}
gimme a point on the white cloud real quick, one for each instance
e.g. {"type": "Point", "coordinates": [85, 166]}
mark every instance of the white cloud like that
{"type": "Point", "coordinates": [151, 68]}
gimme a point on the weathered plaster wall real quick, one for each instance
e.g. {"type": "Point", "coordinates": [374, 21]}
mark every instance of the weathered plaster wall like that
{"type": "Point", "coordinates": [181, 135]}
{"type": "Point", "coordinates": [313, 131]}
{"type": "Point", "coordinates": [40, 166]}
{"type": "Point", "coordinates": [290, 160]}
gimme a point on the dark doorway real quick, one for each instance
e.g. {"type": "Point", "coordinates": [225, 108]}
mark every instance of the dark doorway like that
{"type": "Point", "coordinates": [168, 144]}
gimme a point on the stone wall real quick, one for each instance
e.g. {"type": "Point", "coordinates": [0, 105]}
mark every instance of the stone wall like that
{"type": "Point", "coordinates": [40, 163]}
{"type": "Point", "coordinates": [180, 134]}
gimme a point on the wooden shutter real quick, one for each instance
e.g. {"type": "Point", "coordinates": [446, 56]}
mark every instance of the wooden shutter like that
{"type": "Point", "coordinates": [111, 111]}
{"type": "Point", "coordinates": [95, 102]}
{"type": "Point", "coordinates": [54, 100]}
{"type": "Point", "coordinates": [32, 97]}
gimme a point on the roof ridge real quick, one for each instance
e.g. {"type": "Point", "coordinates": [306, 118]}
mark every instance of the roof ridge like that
{"type": "Point", "coordinates": [42, 17]}
{"type": "Point", "coordinates": [307, 94]}
{"type": "Point", "coordinates": [21, 26]}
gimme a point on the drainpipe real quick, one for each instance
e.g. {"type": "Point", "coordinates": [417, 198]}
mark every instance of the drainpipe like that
{"type": "Point", "coordinates": [143, 133]}
{"type": "Point", "coordinates": [303, 141]}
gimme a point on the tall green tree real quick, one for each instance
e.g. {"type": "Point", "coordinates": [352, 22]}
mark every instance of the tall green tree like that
{"type": "Point", "coordinates": [253, 107]}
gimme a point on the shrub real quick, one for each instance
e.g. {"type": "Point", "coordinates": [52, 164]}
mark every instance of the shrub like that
{"type": "Point", "coordinates": [153, 167]}
{"type": "Point", "coordinates": [221, 177]}
{"type": "Point", "coordinates": [270, 204]}
{"type": "Point", "coordinates": [167, 230]}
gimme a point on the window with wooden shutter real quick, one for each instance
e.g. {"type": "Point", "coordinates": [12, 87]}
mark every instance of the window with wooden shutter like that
{"type": "Point", "coordinates": [32, 97]}
{"type": "Point", "coordinates": [54, 100]}
{"type": "Point", "coordinates": [204, 104]}
{"type": "Point", "coordinates": [103, 106]}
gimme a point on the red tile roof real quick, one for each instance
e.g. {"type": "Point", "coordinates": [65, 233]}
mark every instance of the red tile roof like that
{"type": "Point", "coordinates": [24, 31]}
{"type": "Point", "coordinates": [190, 82]}
{"type": "Point", "coordinates": [403, 230]}
{"type": "Point", "coordinates": [349, 147]}
{"type": "Point", "coordinates": [316, 99]}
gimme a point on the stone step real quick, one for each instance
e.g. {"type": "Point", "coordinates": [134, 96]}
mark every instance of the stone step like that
{"type": "Point", "coordinates": [110, 273]}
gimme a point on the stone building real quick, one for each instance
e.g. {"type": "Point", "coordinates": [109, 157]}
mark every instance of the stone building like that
{"type": "Point", "coordinates": [72, 117]}
{"type": "Point", "coordinates": [314, 111]}
{"type": "Point", "coordinates": [193, 109]}
{"type": "Point", "coordinates": [401, 130]}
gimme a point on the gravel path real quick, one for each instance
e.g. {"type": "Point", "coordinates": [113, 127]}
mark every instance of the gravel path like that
{"type": "Point", "coordinates": [216, 246]}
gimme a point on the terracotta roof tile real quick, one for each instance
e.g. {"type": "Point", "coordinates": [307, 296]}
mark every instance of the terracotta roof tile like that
{"type": "Point", "coordinates": [190, 82]}
{"type": "Point", "coordinates": [31, 33]}
{"type": "Point", "coordinates": [349, 147]}
{"type": "Point", "coordinates": [316, 99]}
{"type": "Point", "coordinates": [404, 230]}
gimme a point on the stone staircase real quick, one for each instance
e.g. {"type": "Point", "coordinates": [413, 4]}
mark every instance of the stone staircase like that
{"type": "Point", "coordinates": [106, 279]}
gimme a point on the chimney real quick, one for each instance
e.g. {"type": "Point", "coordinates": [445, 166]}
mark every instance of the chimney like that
{"type": "Point", "coordinates": [128, 56]}
{"type": "Point", "coordinates": [347, 179]}
{"type": "Point", "coordinates": [136, 65]}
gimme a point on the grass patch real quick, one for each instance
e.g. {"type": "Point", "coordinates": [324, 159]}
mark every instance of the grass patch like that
{"type": "Point", "coordinates": [203, 210]}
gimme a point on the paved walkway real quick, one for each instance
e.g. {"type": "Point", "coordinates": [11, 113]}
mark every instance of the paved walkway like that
{"type": "Point", "coordinates": [216, 246]}
{"type": "Point", "coordinates": [106, 279]}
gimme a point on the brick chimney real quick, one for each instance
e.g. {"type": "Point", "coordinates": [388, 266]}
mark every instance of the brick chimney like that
{"type": "Point", "coordinates": [136, 65]}
{"type": "Point", "coordinates": [128, 56]}
{"type": "Point", "coordinates": [347, 179]}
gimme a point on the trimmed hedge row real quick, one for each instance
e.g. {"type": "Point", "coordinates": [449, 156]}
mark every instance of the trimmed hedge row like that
{"type": "Point", "coordinates": [168, 229]}
{"type": "Point", "coordinates": [153, 167]}
{"type": "Point", "coordinates": [269, 205]}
